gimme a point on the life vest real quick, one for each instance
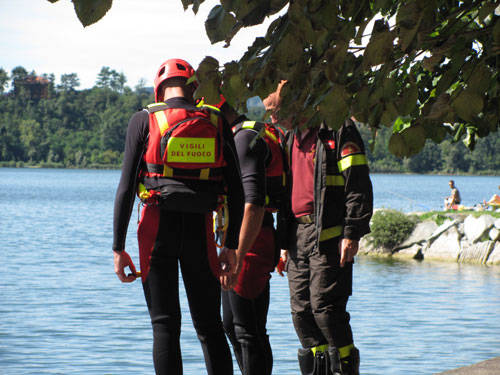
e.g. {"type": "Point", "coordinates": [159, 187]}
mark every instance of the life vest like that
{"type": "Point", "coordinates": [276, 161]}
{"type": "Point", "coordinates": [183, 161]}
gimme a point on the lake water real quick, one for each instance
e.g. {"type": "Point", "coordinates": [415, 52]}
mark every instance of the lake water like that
{"type": "Point", "coordinates": [63, 310]}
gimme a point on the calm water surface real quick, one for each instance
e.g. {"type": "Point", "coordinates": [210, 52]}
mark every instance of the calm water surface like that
{"type": "Point", "coordinates": [63, 311]}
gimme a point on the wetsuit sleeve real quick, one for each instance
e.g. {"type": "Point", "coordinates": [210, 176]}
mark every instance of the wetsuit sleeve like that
{"type": "Point", "coordinates": [252, 153]}
{"type": "Point", "coordinates": [235, 200]}
{"type": "Point", "coordinates": [358, 187]}
{"type": "Point", "coordinates": [137, 131]}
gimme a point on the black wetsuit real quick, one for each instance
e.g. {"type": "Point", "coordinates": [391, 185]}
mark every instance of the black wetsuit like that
{"type": "Point", "coordinates": [182, 238]}
{"type": "Point", "coordinates": [245, 317]}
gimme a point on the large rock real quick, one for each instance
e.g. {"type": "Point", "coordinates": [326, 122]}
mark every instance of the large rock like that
{"type": "Point", "coordinates": [494, 234]}
{"type": "Point", "coordinates": [475, 228]}
{"type": "Point", "coordinates": [422, 232]}
{"type": "Point", "coordinates": [412, 252]}
{"type": "Point", "coordinates": [494, 257]}
{"type": "Point", "coordinates": [475, 252]}
{"type": "Point", "coordinates": [497, 223]}
{"type": "Point", "coordinates": [365, 247]}
{"type": "Point", "coordinates": [444, 247]}
{"type": "Point", "coordinates": [442, 228]}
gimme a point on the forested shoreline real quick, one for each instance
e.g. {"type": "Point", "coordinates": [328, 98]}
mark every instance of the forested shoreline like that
{"type": "Point", "coordinates": [44, 124]}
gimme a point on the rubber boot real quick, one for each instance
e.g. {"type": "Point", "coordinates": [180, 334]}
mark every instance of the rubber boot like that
{"type": "Point", "coordinates": [334, 357]}
{"type": "Point", "coordinates": [306, 361]}
{"type": "Point", "coordinates": [350, 364]}
{"type": "Point", "coordinates": [321, 363]}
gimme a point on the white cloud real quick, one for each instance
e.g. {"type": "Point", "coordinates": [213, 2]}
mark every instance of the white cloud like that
{"type": "Point", "coordinates": [134, 37]}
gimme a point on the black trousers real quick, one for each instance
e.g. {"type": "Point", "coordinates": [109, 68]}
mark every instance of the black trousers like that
{"type": "Point", "coordinates": [319, 290]}
{"type": "Point", "coordinates": [182, 239]}
{"type": "Point", "coordinates": [245, 325]}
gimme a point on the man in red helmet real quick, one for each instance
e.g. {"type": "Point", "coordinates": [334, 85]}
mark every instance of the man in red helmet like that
{"type": "Point", "coordinates": [176, 222]}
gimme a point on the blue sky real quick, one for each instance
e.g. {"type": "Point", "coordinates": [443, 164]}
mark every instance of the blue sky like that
{"type": "Point", "coordinates": [134, 37]}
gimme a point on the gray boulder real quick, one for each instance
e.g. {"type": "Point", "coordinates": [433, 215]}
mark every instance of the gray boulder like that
{"type": "Point", "coordinates": [497, 223]}
{"type": "Point", "coordinates": [475, 252]}
{"type": "Point", "coordinates": [475, 228]}
{"type": "Point", "coordinates": [494, 234]}
{"type": "Point", "coordinates": [422, 232]}
{"type": "Point", "coordinates": [494, 257]}
{"type": "Point", "coordinates": [412, 252]}
{"type": "Point", "coordinates": [443, 228]}
{"type": "Point", "coordinates": [444, 247]}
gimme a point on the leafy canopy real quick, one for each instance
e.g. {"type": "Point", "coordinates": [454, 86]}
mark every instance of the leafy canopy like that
{"type": "Point", "coordinates": [428, 69]}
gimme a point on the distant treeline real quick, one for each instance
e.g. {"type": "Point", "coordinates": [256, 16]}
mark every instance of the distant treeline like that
{"type": "Point", "coordinates": [48, 125]}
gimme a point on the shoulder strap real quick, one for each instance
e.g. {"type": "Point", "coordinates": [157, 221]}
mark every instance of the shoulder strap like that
{"type": "Point", "coordinates": [155, 107]}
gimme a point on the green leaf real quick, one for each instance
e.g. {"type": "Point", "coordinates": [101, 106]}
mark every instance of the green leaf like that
{"type": "Point", "coordinates": [414, 138]}
{"type": "Point", "coordinates": [209, 80]}
{"type": "Point", "coordinates": [379, 49]}
{"type": "Point", "coordinates": [480, 80]}
{"type": "Point", "coordinates": [91, 11]}
{"type": "Point", "coordinates": [397, 145]}
{"type": "Point", "coordinates": [408, 19]}
{"type": "Point", "coordinates": [468, 104]}
{"type": "Point", "coordinates": [334, 107]}
{"type": "Point", "coordinates": [408, 101]}
{"type": "Point", "coordinates": [401, 124]}
{"type": "Point", "coordinates": [219, 24]}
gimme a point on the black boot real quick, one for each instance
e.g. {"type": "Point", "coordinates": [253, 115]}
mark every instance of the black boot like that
{"type": "Point", "coordinates": [306, 361]}
{"type": "Point", "coordinates": [321, 364]}
{"type": "Point", "coordinates": [350, 364]}
{"type": "Point", "coordinates": [334, 357]}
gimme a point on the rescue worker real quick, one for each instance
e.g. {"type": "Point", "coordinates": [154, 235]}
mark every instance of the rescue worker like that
{"type": "Point", "coordinates": [178, 230]}
{"type": "Point", "coordinates": [332, 203]}
{"type": "Point", "coordinates": [263, 165]}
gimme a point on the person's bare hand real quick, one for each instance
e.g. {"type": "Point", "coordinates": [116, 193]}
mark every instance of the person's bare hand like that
{"type": "Point", "coordinates": [227, 261]}
{"type": "Point", "coordinates": [347, 249]}
{"type": "Point", "coordinates": [122, 260]}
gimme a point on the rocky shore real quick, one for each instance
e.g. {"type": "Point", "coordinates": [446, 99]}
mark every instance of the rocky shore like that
{"type": "Point", "coordinates": [461, 238]}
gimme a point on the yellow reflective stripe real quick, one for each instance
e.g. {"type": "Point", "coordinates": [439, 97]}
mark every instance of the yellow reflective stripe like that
{"type": "Point", "coordinates": [283, 179]}
{"type": "Point", "coordinates": [204, 173]}
{"type": "Point", "coordinates": [272, 136]}
{"type": "Point", "coordinates": [351, 161]}
{"type": "Point", "coordinates": [211, 107]}
{"type": "Point", "coordinates": [161, 118]}
{"type": "Point", "coordinates": [335, 180]}
{"type": "Point", "coordinates": [155, 104]}
{"type": "Point", "coordinates": [267, 199]}
{"type": "Point", "coordinates": [167, 171]}
{"type": "Point", "coordinates": [319, 349]}
{"type": "Point", "coordinates": [248, 125]}
{"type": "Point", "coordinates": [331, 232]}
{"type": "Point", "coordinates": [345, 350]}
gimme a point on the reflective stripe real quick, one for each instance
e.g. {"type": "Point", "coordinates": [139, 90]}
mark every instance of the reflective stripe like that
{"type": "Point", "coordinates": [155, 104]}
{"type": "Point", "coordinates": [335, 180]}
{"type": "Point", "coordinates": [283, 179]}
{"type": "Point", "coordinates": [204, 173]}
{"type": "Point", "coordinates": [161, 118]}
{"type": "Point", "coordinates": [331, 232]}
{"type": "Point", "coordinates": [272, 136]}
{"type": "Point", "coordinates": [167, 171]}
{"type": "Point", "coordinates": [319, 349]}
{"type": "Point", "coordinates": [351, 161]}
{"type": "Point", "coordinates": [248, 125]}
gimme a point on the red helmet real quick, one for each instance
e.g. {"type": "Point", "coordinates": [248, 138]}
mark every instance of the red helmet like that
{"type": "Point", "coordinates": [172, 68]}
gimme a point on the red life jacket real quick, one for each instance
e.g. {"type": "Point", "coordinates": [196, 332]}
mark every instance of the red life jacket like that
{"type": "Point", "coordinates": [276, 161]}
{"type": "Point", "coordinates": [183, 160]}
